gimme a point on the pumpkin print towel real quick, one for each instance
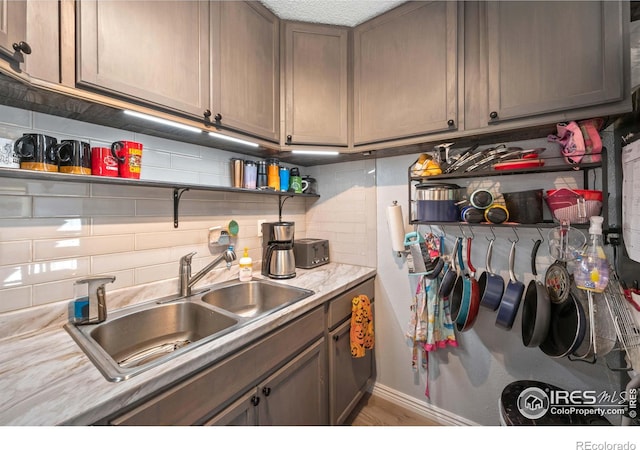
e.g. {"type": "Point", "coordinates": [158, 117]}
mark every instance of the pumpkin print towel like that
{"type": "Point", "coordinates": [361, 333]}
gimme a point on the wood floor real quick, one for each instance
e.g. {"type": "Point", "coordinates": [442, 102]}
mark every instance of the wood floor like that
{"type": "Point", "coordinates": [375, 411]}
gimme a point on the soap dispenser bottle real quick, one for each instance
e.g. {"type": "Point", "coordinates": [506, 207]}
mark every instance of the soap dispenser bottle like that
{"type": "Point", "coordinates": [246, 266]}
{"type": "Point", "coordinates": [591, 272]}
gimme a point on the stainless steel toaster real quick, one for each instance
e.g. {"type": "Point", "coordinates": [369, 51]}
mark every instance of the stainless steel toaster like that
{"type": "Point", "coordinates": [310, 252]}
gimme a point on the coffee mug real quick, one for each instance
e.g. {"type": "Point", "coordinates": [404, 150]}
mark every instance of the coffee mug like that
{"type": "Point", "coordinates": [103, 163]}
{"type": "Point", "coordinates": [37, 152]}
{"type": "Point", "coordinates": [74, 157]}
{"type": "Point", "coordinates": [8, 156]}
{"type": "Point", "coordinates": [129, 157]}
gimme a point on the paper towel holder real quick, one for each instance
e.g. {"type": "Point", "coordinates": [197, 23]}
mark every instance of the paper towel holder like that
{"type": "Point", "coordinates": [405, 251]}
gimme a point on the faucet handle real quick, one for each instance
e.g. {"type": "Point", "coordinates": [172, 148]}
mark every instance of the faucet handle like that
{"type": "Point", "coordinates": [96, 280]}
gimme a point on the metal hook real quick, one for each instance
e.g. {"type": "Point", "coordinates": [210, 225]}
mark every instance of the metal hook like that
{"type": "Point", "coordinates": [494, 235]}
{"type": "Point", "coordinates": [541, 236]}
{"type": "Point", "coordinates": [473, 235]}
{"type": "Point", "coordinates": [517, 237]}
{"type": "Point", "coordinates": [444, 231]}
{"type": "Point", "coordinates": [462, 231]}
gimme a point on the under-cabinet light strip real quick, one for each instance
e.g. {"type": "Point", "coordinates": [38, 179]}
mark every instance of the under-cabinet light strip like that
{"type": "Point", "coordinates": [232, 139]}
{"type": "Point", "coordinates": [315, 152]}
{"type": "Point", "coordinates": [162, 121]}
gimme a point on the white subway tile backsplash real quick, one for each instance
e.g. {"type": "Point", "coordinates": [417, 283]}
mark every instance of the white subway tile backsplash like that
{"type": "Point", "coordinates": [41, 272]}
{"type": "Point", "coordinates": [20, 229]}
{"type": "Point", "coordinates": [14, 299]}
{"type": "Point", "coordinates": [82, 207]}
{"type": "Point", "coordinates": [15, 116]}
{"type": "Point", "coordinates": [110, 191]}
{"type": "Point", "coordinates": [128, 260]}
{"type": "Point", "coordinates": [15, 252]}
{"type": "Point", "coordinates": [82, 246]}
{"type": "Point", "coordinates": [13, 207]}
{"type": "Point", "coordinates": [167, 145]}
{"type": "Point", "coordinates": [57, 126]}
{"type": "Point", "coordinates": [157, 158]}
{"type": "Point", "coordinates": [145, 241]}
{"type": "Point", "coordinates": [158, 272]}
{"type": "Point", "coordinates": [180, 162]}
{"type": "Point", "coordinates": [167, 175]}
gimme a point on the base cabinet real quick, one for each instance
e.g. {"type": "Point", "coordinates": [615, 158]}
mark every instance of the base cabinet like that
{"type": "Point", "coordinates": [349, 378]}
{"type": "Point", "coordinates": [294, 395]}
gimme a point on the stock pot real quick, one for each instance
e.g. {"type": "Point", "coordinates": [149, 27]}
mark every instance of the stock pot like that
{"type": "Point", "coordinates": [437, 202]}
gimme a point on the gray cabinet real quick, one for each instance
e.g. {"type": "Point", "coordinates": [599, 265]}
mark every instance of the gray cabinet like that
{"type": "Point", "coordinates": [149, 51]}
{"type": "Point", "coordinates": [289, 361]}
{"type": "Point", "coordinates": [405, 72]}
{"type": "Point", "coordinates": [245, 81]}
{"type": "Point", "coordinates": [315, 72]}
{"type": "Point", "coordinates": [294, 395]}
{"type": "Point", "coordinates": [545, 57]}
{"type": "Point", "coordinates": [349, 378]}
{"type": "Point", "coordinates": [13, 27]}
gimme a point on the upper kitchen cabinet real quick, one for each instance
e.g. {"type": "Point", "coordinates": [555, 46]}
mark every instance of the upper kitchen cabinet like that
{"type": "Point", "coordinates": [245, 74]}
{"type": "Point", "coordinates": [315, 72]}
{"type": "Point", "coordinates": [405, 72]}
{"type": "Point", "coordinates": [148, 51]}
{"type": "Point", "coordinates": [546, 57]}
{"type": "Point", "coordinates": [13, 29]}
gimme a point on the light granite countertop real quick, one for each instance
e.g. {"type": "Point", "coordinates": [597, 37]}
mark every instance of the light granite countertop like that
{"type": "Point", "coordinates": [46, 379]}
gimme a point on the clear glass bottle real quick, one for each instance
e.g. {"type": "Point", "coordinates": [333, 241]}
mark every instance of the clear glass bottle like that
{"type": "Point", "coordinates": [591, 272]}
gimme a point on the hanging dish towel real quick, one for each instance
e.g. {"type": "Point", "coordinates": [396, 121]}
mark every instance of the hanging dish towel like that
{"type": "Point", "coordinates": [361, 333]}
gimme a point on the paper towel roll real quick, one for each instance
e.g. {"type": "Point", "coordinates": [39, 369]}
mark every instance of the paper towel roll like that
{"type": "Point", "coordinates": [396, 227]}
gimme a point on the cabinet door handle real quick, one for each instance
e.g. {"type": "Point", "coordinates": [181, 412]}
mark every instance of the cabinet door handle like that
{"type": "Point", "coordinates": [451, 122]}
{"type": "Point", "coordinates": [336, 337]}
{"type": "Point", "coordinates": [207, 113]}
{"type": "Point", "coordinates": [218, 117]}
{"type": "Point", "coordinates": [23, 47]}
{"type": "Point", "coordinates": [266, 391]}
{"type": "Point", "coordinates": [493, 115]}
{"type": "Point", "coordinates": [255, 400]}
{"type": "Point", "coordinates": [289, 138]}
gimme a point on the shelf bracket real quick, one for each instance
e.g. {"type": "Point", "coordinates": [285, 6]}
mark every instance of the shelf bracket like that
{"type": "Point", "coordinates": [177, 193]}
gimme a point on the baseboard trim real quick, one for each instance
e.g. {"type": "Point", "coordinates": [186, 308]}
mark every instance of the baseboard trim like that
{"type": "Point", "coordinates": [422, 408]}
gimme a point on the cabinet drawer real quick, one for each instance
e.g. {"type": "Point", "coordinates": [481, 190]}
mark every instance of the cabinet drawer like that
{"type": "Point", "coordinates": [340, 307]}
{"type": "Point", "coordinates": [202, 394]}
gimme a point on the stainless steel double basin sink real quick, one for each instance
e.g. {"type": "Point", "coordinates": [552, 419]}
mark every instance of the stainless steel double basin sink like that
{"type": "Point", "coordinates": [136, 338]}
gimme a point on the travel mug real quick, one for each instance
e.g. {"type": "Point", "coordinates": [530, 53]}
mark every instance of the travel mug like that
{"type": "Point", "coordinates": [284, 179]}
{"type": "Point", "coordinates": [37, 152]}
{"type": "Point", "coordinates": [103, 163]}
{"type": "Point", "coordinates": [237, 172]}
{"type": "Point", "coordinates": [129, 156]}
{"type": "Point", "coordinates": [295, 181]}
{"type": "Point", "coordinates": [74, 157]}
{"type": "Point", "coordinates": [250, 174]}
{"type": "Point", "coordinates": [262, 180]}
{"type": "Point", "coordinates": [273, 174]}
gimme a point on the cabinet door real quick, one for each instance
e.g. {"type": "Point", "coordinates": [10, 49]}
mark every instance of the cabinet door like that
{"type": "Point", "coordinates": [553, 56]}
{"type": "Point", "coordinates": [316, 84]}
{"type": "Point", "coordinates": [13, 26]}
{"type": "Point", "coordinates": [152, 51]}
{"type": "Point", "coordinates": [296, 394]}
{"type": "Point", "coordinates": [405, 72]}
{"type": "Point", "coordinates": [245, 89]}
{"type": "Point", "coordinates": [43, 35]}
{"type": "Point", "coordinates": [240, 413]}
{"type": "Point", "coordinates": [348, 376]}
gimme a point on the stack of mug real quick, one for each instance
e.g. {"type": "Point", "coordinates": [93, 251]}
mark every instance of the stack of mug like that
{"type": "Point", "coordinates": [44, 153]}
{"type": "Point", "coordinates": [267, 175]}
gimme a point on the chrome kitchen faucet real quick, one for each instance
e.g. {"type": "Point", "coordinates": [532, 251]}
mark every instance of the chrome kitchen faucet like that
{"type": "Point", "coordinates": [187, 281]}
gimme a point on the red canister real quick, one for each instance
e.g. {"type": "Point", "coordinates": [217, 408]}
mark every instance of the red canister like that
{"type": "Point", "coordinates": [103, 163]}
{"type": "Point", "coordinates": [129, 156]}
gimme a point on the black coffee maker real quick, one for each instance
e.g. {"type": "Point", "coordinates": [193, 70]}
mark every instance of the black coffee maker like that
{"type": "Point", "coordinates": [278, 260]}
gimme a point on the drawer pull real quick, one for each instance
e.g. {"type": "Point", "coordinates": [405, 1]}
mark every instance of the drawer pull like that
{"type": "Point", "coordinates": [266, 391]}
{"type": "Point", "coordinates": [255, 400]}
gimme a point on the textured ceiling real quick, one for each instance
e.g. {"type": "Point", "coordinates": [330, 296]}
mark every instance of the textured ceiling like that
{"type": "Point", "coordinates": [334, 12]}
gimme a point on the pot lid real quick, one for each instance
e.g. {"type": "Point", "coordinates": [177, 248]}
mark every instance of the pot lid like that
{"type": "Point", "coordinates": [434, 185]}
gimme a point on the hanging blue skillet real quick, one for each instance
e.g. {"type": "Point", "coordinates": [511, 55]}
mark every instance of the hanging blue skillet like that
{"type": "Point", "coordinates": [491, 285]}
{"type": "Point", "coordinates": [511, 297]}
{"type": "Point", "coordinates": [461, 294]}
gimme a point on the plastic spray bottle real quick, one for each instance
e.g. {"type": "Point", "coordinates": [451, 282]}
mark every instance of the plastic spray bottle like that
{"type": "Point", "coordinates": [246, 266]}
{"type": "Point", "coordinates": [591, 272]}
